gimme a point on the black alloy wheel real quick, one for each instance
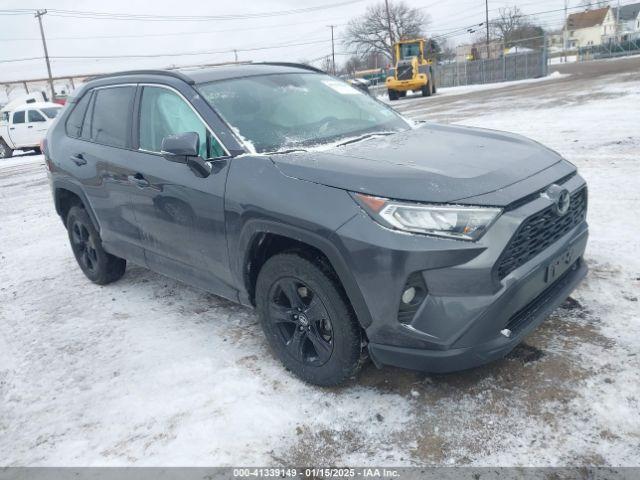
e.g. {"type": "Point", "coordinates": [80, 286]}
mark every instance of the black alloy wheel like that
{"type": "Point", "coordinates": [302, 321]}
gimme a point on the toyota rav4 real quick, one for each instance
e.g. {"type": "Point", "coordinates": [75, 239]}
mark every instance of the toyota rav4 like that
{"type": "Point", "coordinates": [350, 229]}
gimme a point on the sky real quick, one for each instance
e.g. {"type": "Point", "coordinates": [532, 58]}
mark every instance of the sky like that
{"type": "Point", "coordinates": [297, 36]}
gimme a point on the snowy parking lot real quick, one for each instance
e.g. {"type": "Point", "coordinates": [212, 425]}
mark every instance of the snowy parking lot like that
{"type": "Point", "coordinates": [148, 371]}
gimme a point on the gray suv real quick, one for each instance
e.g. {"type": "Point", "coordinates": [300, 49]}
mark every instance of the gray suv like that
{"type": "Point", "coordinates": [350, 229]}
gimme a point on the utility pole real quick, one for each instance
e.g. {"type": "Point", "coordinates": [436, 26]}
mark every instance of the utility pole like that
{"type": "Point", "coordinates": [391, 39]}
{"type": "Point", "coordinates": [486, 9]}
{"type": "Point", "coordinates": [333, 51]}
{"type": "Point", "coordinates": [39, 14]}
{"type": "Point", "coordinates": [565, 40]}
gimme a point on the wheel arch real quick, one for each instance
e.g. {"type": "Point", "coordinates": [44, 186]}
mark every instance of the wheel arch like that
{"type": "Point", "coordinates": [262, 239]}
{"type": "Point", "coordinates": [66, 195]}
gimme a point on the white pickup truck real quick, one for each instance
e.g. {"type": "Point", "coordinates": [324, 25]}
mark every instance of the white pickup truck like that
{"type": "Point", "coordinates": [24, 127]}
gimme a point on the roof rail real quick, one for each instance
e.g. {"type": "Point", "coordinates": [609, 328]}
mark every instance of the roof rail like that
{"type": "Point", "coordinates": [291, 64]}
{"type": "Point", "coordinates": [166, 73]}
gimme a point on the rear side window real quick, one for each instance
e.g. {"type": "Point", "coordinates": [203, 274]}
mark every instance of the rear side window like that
{"type": "Point", "coordinates": [35, 116]}
{"type": "Point", "coordinates": [74, 122]}
{"type": "Point", "coordinates": [109, 119]}
{"type": "Point", "coordinates": [18, 117]}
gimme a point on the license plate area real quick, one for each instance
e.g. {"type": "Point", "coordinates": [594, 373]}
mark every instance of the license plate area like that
{"type": "Point", "coordinates": [559, 265]}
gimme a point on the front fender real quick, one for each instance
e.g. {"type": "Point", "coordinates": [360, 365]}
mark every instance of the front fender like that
{"type": "Point", "coordinates": [253, 228]}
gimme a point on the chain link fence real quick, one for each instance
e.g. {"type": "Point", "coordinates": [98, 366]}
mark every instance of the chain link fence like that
{"type": "Point", "coordinates": [517, 66]}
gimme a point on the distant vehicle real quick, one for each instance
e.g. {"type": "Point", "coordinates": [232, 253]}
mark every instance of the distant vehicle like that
{"type": "Point", "coordinates": [413, 72]}
{"type": "Point", "coordinates": [435, 247]}
{"type": "Point", "coordinates": [24, 127]}
{"type": "Point", "coordinates": [359, 83]}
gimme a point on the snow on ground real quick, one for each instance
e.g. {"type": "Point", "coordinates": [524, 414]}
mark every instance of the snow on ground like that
{"type": "Point", "coordinates": [148, 371]}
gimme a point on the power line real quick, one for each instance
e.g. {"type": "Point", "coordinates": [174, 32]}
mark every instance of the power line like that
{"type": "Point", "coordinates": [192, 18]}
{"type": "Point", "coordinates": [171, 34]}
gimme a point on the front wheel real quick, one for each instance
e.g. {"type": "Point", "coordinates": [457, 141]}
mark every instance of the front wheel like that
{"type": "Point", "coordinates": [393, 95]}
{"type": "Point", "coordinates": [5, 151]}
{"type": "Point", "coordinates": [307, 321]}
{"type": "Point", "coordinates": [99, 266]}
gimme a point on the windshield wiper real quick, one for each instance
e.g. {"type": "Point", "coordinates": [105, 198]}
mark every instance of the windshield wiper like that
{"type": "Point", "coordinates": [283, 152]}
{"type": "Point", "coordinates": [364, 137]}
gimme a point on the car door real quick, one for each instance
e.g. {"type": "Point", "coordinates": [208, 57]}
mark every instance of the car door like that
{"type": "Point", "coordinates": [37, 126]}
{"type": "Point", "coordinates": [18, 129]}
{"type": "Point", "coordinates": [97, 153]}
{"type": "Point", "coordinates": [180, 215]}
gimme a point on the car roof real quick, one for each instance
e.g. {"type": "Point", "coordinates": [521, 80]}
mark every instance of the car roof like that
{"type": "Point", "coordinates": [196, 75]}
{"type": "Point", "coordinates": [27, 106]}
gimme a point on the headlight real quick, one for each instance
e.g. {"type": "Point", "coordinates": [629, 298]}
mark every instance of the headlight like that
{"type": "Point", "coordinates": [452, 221]}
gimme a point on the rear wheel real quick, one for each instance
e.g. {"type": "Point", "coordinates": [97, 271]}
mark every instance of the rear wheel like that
{"type": "Point", "coordinates": [393, 95]}
{"type": "Point", "coordinates": [99, 266]}
{"type": "Point", "coordinates": [307, 320]}
{"type": "Point", "coordinates": [426, 89]}
{"type": "Point", "coordinates": [5, 151]}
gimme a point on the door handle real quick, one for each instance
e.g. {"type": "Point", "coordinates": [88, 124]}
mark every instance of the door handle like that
{"type": "Point", "coordinates": [78, 159]}
{"type": "Point", "coordinates": [139, 180]}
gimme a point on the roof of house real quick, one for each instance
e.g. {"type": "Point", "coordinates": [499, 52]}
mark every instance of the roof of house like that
{"type": "Point", "coordinates": [627, 12]}
{"type": "Point", "coordinates": [586, 19]}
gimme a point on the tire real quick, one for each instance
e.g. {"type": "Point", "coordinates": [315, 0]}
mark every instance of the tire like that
{"type": "Point", "coordinates": [99, 266]}
{"type": "Point", "coordinates": [5, 151]}
{"type": "Point", "coordinates": [402, 94]}
{"type": "Point", "coordinates": [308, 323]}
{"type": "Point", "coordinates": [426, 89]}
{"type": "Point", "coordinates": [393, 95]}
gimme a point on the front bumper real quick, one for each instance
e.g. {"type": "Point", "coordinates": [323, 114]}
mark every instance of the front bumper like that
{"type": "Point", "coordinates": [415, 83]}
{"type": "Point", "coordinates": [455, 359]}
{"type": "Point", "coordinates": [458, 325]}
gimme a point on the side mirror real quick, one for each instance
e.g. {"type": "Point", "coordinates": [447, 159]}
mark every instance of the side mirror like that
{"type": "Point", "coordinates": [185, 148]}
{"type": "Point", "coordinates": [176, 148]}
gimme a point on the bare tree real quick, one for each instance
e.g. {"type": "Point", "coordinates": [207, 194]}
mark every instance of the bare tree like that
{"type": "Point", "coordinates": [513, 28]}
{"type": "Point", "coordinates": [326, 64]}
{"type": "Point", "coordinates": [589, 4]}
{"type": "Point", "coordinates": [352, 65]}
{"type": "Point", "coordinates": [509, 20]}
{"type": "Point", "coordinates": [370, 32]}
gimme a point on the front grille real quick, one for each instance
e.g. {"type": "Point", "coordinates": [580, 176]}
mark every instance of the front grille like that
{"type": "Point", "coordinates": [539, 231]}
{"type": "Point", "coordinates": [405, 72]}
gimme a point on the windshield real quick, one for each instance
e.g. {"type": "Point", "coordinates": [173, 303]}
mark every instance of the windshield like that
{"type": "Point", "coordinates": [288, 111]}
{"type": "Point", "coordinates": [408, 50]}
{"type": "Point", "coordinates": [51, 112]}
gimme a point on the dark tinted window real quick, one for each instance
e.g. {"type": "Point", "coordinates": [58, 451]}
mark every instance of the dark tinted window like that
{"type": "Point", "coordinates": [18, 117]}
{"type": "Point", "coordinates": [111, 116]}
{"type": "Point", "coordinates": [74, 122]}
{"type": "Point", "coordinates": [35, 116]}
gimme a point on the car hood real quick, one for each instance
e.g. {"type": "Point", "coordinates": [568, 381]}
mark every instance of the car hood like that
{"type": "Point", "coordinates": [433, 163]}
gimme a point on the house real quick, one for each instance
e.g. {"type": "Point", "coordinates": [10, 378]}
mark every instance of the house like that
{"type": "Point", "coordinates": [586, 28]}
{"type": "Point", "coordinates": [622, 24]}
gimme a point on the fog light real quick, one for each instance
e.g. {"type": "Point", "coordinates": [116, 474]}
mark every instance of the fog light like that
{"type": "Point", "coordinates": [408, 295]}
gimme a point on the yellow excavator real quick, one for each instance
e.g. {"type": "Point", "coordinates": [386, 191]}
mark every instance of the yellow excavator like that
{"type": "Point", "coordinates": [412, 72]}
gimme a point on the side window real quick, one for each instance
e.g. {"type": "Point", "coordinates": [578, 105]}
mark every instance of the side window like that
{"type": "Point", "coordinates": [35, 116]}
{"type": "Point", "coordinates": [163, 113]}
{"type": "Point", "coordinates": [109, 118]}
{"type": "Point", "coordinates": [76, 117]}
{"type": "Point", "coordinates": [18, 117]}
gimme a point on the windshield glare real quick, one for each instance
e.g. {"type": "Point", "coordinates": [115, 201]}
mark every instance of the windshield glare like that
{"type": "Point", "coordinates": [298, 110]}
{"type": "Point", "coordinates": [51, 112]}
